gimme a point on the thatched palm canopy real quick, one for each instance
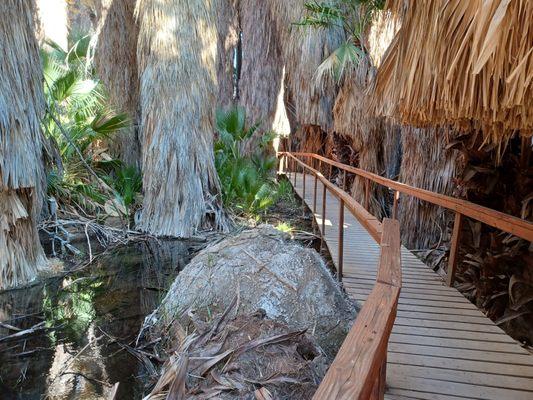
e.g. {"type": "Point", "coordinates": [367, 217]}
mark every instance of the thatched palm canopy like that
{"type": "Point", "coordinates": [463, 62]}
{"type": "Point", "coordinates": [311, 102]}
{"type": "Point", "coordinates": [21, 142]}
{"type": "Point", "coordinates": [177, 58]}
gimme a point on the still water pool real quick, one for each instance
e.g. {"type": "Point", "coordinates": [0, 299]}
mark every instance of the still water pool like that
{"type": "Point", "coordinates": [81, 322]}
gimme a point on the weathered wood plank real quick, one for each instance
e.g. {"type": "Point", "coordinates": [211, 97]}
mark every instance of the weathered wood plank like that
{"type": "Point", "coordinates": [465, 354]}
{"type": "Point", "coordinates": [356, 366]}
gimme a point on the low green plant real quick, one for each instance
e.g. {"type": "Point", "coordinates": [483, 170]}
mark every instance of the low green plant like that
{"type": "Point", "coordinates": [284, 227]}
{"type": "Point", "coordinates": [78, 121]}
{"type": "Point", "coordinates": [247, 177]}
{"type": "Point", "coordinates": [285, 191]}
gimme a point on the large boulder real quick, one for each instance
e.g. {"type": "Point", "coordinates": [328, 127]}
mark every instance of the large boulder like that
{"type": "Point", "coordinates": [265, 270]}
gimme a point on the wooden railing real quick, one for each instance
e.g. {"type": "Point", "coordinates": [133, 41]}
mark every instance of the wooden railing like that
{"type": "Point", "coordinates": [359, 370]}
{"type": "Point", "coordinates": [461, 208]}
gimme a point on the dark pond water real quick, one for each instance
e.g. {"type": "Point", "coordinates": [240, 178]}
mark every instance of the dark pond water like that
{"type": "Point", "coordinates": [79, 359]}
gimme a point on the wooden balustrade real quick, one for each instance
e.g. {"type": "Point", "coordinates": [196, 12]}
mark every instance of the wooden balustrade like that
{"type": "Point", "coordinates": [359, 370]}
{"type": "Point", "coordinates": [462, 208]}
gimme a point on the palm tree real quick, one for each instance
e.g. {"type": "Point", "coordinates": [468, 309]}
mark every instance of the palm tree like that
{"type": "Point", "coordinates": [177, 58]}
{"type": "Point", "coordinates": [21, 144]}
{"type": "Point", "coordinates": [116, 62]}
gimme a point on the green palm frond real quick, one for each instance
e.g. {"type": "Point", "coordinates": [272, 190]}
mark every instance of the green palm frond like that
{"type": "Point", "coordinates": [354, 17]}
{"type": "Point", "coordinates": [246, 180]}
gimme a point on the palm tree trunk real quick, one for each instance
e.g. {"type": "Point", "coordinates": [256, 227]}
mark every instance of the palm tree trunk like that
{"type": "Point", "coordinates": [116, 61]}
{"type": "Point", "coordinates": [262, 65]}
{"type": "Point", "coordinates": [21, 142]}
{"type": "Point", "coordinates": [177, 58]}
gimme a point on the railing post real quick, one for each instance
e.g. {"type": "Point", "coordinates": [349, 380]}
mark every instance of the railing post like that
{"type": "Point", "coordinates": [395, 205]}
{"type": "Point", "coordinates": [344, 181]}
{"type": "Point", "coordinates": [303, 192]}
{"type": "Point", "coordinates": [323, 215]}
{"type": "Point", "coordinates": [295, 169]}
{"type": "Point", "coordinates": [291, 168]}
{"type": "Point", "coordinates": [367, 194]}
{"type": "Point", "coordinates": [314, 195]}
{"type": "Point", "coordinates": [341, 241]}
{"type": "Point", "coordinates": [378, 392]}
{"type": "Point", "coordinates": [454, 249]}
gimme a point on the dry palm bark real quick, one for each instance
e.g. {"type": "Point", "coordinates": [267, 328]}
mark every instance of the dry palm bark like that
{"type": "Point", "coordinates": [309, 103]}
{"type": "Point", "coordinates": [262, 66]}
{"type": "Point", "coordinates": [83, 15]}
{"type": "Point", "coordinates": [21, 144]}
{"type": "Point", "coordinates": [177, 58]}
{"type": "Point", "coordinates": [374, 139]}
{"type": "Point", "coordinates": [116, 62]}
{"type": "Point", "coordinates": [228, 37]}
{"type": "Point", "coordinates": [471, 63]}
{"type": "Point", "coordinates": [430, 164]}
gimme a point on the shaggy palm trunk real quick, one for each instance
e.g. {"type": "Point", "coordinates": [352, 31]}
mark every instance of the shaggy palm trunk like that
{"type": "Point", "coordinates": [262, 66]}
{"type": "Point", "coordinates": [83, 15]}
{"type": "Point", "coordinates": [303, 50]}
{"type": "Point", "coordinates": [21, 167]}
{"type": "Point", "coordinates": [228, 38]}
{"type": "Point", "coordinates": [177, 56]}
{"type": "Point", "coordinates": [428, 164]}
{"type": "Point", "coordinates": [116, 62]}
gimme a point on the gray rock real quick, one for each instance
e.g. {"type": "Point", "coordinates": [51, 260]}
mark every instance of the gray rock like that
{"type": "Point", "coordinates": [266, 271]}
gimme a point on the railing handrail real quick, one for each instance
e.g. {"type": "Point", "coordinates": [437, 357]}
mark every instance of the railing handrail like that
{"type": "Point", "coordinates": [359, 369]}
{"type": "Point", "coordinates": [505, 222]}
{"type": "Point", "coordinates": [369, 222]}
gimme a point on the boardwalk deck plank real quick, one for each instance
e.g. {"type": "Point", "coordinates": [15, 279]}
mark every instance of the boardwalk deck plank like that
{"type": "Point", "coordinates": [442, 347]}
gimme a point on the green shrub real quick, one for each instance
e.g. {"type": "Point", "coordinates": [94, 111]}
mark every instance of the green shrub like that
{"type": "Point", "coordinates": [78, 120]}
{"type": "Point", "coordinates": [353, 17]}
{"type": "Point", "coordinates": [247, 177]}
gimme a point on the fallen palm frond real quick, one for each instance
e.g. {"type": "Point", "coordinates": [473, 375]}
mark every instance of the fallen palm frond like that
{"type": "Point", "coordinates": [231, 357]}
{"type": "Point", "coordinates": [63, 234]}
{"type": "Point", "coordinates": [177, 55]}
{"type": "Point", "coordinates": [21, 145]}
{"type": "Point", "coordinates": [115, 59]}
{"type": "Point", "coordinates": [461, 62]}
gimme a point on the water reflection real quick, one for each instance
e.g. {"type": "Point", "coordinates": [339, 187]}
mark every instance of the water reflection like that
{"type": "Point", "coordinates": [73, 353]}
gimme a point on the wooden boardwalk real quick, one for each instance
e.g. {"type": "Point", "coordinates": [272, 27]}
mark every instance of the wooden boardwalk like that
{"type": "Point", "coordinates": [442, 346]}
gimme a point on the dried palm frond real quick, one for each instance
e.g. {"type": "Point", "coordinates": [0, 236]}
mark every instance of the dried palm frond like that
{"type": "Point", "coordinates": [21, 144]}
{"type": "Point", "coordinates": [303, 51]}
{"type": "Point", "coordinates": [429, 164]}
{"type": "Point", "coordinates": [116, 62]}
{"type": "Point", "coordinates": [177, 58]}
{"type": "Point", "coordinates": [468, 63]}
